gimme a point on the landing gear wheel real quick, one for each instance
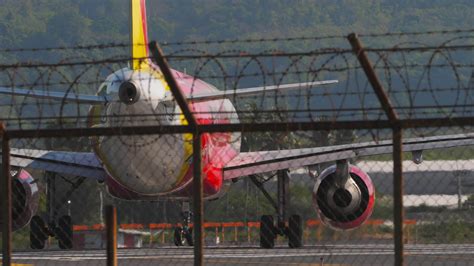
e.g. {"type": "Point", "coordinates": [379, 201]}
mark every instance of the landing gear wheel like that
{"type": "Point", "coordinates": [38, 233]}
{"type": "Point", "coordinates": [295, 231]}
{"type": "Point", "coordinates": [189, 237]}
{"type": "Point", "coordinates": [178, 237]}
{"type": "Point", "coordinates": [267, 232]}
{"type": "Point", "coordinates": [64, 232]}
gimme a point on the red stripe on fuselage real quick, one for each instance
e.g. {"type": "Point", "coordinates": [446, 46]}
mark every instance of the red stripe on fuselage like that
{"type": "Point", "coordinates": [216, 148]}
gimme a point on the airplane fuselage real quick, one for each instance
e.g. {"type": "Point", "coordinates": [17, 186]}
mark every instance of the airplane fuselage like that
{"type": "Point", "coordinates": [150, 166]}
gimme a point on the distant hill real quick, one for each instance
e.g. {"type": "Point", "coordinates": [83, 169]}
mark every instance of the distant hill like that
{"type": "Point", "coordinates": [43, 23]}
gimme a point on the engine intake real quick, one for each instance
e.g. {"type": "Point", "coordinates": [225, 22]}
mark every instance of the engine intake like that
{"type": "Point", "coordinates": [344, 206]}
{"type": "Point", "coordinates": [25, 198]}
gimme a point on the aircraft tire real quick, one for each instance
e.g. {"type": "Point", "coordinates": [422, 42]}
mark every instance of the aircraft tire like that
{"type": "Point", "coordinates": [178, 236]}
{"type": "Point", "coordinates": [267, 232]}
{"type": "Point", "coordinates": [38, 232]}
{"type": "Point", "coordinates": [189, 237]}
{"type": "Point", "coordinates": [295, 231]}
{"type": "Point", "coordinates": [64, 232]}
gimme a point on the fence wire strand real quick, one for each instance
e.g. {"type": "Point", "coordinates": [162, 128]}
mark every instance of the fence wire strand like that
{"type": "Point", "coordinates": [273, 188]}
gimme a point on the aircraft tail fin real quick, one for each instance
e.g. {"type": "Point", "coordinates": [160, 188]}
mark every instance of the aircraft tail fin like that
{"type": "Point", "coordinates": [138, 34]}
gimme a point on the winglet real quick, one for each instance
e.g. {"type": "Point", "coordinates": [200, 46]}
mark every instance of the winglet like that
{"type": "Point", "coordinates": [138, 34]}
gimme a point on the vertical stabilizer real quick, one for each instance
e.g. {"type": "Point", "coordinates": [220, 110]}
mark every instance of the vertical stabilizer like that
{"type": "Point", "coordinates": [138, 34]}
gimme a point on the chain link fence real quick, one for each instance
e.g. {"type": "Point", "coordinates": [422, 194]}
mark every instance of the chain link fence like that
{"type": "Point", "coordinates": [351, 152]}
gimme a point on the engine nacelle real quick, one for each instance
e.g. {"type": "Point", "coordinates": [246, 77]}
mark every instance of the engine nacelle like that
{"type": "Point", "coordinates": [344, 207]}
{"type": "Point", "coordinates": [25, 198]}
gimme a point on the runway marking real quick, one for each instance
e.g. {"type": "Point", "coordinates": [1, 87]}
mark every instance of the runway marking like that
{"type": "Point", "coordinates": [457, 258]}
{"type": "Point", "coordinates": [278, 263]}
{"type": "Point", "coordinates": [252, 254]}
{"type": "Point", "coordinates": [18, 264]}
{"type": "Point", "coordinates": [217, 256]}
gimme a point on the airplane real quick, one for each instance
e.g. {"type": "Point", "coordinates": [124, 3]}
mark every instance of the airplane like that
{"type": "Point", "coordinates": [157, 167]}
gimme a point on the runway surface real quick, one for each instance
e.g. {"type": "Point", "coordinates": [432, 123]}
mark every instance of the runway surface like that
{"type": "Point", "coordinates": [340, 254]}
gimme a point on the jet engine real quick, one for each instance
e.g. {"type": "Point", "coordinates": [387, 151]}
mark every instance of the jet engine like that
{"type": "Point", "coordinates": [344, 205]}
{"type": "Point", "coordinates": [25, 198]}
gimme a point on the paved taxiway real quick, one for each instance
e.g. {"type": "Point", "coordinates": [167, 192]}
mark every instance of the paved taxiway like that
{"type": "Point", "coordinates": [340, 254]}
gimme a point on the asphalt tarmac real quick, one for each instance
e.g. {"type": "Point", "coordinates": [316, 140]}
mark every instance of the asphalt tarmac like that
{"type": "Point", "coordinates": [339, 254]}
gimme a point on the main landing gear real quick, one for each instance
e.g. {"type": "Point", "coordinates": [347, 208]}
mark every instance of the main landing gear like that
{"type": "Point", "coordinates": [56, 226]}
{"type": "Point", "coordinates": [40, 232]}
{"type": "Point", "coordinates": [184, 234]}
{"type": "Point", "coordinates": [269, 230]}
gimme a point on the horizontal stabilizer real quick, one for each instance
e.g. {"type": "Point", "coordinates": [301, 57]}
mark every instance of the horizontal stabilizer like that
{"type": "Point", "coordinates": [257, 90]}
{"type": "Point", "coordinates": [83, 164]}
{"type": "Point", "coordinates": [56, 95]}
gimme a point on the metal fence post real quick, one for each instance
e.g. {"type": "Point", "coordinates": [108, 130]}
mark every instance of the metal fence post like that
{"type": "Point", "coordinates": [178, 95]}
{"type": "Point", "coordinates": [372, 77]}
{"type": "Point", "coordinates": [161, 61]}
{"type": "Point", "coordinates": [398, 194]}
{"type": "Point", "coordinates": [397, 143]}
{"type": "Point", "coordinates": [6, 190]}
{"type": "Point", "coordinates": [197, 201]}
{"type": "Point", "coordinates": [111, 230]}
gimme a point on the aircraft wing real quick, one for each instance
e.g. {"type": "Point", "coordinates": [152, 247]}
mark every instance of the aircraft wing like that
{"type": "Point", "coordinates": [96, 99]}
{"type": "Point", "coordinates": [83, 164]}
{"type": "Point", "coordinates": [248, 163]}
{"type": "Point", "coordinates": [256, 90]}
{"type": "Point", "coordinates": [55, 95]}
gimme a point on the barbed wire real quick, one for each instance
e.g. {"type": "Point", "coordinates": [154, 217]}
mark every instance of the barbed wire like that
{"type": "Point", "coordinates": [415, 33]}
{"type": "Point", "coordinates": [258, 74]}
{"type": "Point", "coordinates": [224, 55]}
{"type": "Point", "coordinates": [410, 80]}
{"type": "Point", "coordinates": [74, 47]}
{"type": "Point", "coordinates": [235, 41]}
{"type": "Point", "coordinates": [430, 109]}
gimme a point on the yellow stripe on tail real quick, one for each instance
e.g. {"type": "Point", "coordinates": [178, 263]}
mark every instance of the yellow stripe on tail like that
{"type": "Point", "coordinates": [139, 35]}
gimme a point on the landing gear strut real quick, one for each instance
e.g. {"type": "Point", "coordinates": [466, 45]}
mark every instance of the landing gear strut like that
{"type": "Point", "coordinates": [56, 226]}
{"type": "Point", "coordinates": [184, 234]}
{"type": "Point", "coordinates": [269, 231]}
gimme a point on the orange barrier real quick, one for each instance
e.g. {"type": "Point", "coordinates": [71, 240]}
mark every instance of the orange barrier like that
{"type": "Point", "coordinates": [160, 226]}
{"type": "Point", "coordinates": [236, 231]}
{"type": "Point", "coordinates": [132, 226]}
{"type": "Point", "coordinates": [233, 224]}
{"type": "Point", "coordinates": [80, 228]}
{"type": "Point", "coordinates": [309, 223]}
{"type": "Point", "coordinates": [98, 227]}
{"type": "Point", "coordinates": [210, 224]}
{"type": "Point", "coordinates": [253, 224]}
